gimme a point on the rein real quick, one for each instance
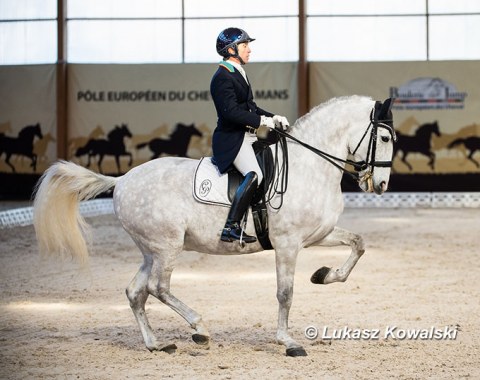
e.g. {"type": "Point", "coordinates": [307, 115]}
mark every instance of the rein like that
{"type": "Point", "coordinates": [358, 166]}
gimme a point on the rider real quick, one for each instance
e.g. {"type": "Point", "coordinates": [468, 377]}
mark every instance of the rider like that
{"type": "Point", "coordinates": [238, 120]}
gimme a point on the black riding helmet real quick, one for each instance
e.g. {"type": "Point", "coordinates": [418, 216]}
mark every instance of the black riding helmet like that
{"type": "Point", "coordinates": [230, 38]}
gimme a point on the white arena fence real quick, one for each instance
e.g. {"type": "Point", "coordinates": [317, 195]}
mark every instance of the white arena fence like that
{"type": "Point", "coordinates": [24, 216]}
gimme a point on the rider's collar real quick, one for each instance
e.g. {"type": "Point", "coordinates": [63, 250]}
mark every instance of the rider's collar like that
{"type": "Point", "coordinates": [229, 66]}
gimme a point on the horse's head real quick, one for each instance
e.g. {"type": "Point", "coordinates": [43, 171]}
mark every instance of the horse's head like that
{"type": "Point", "coordinates": [38, 131]}
{"type": "Point", "coordinates": [125, 131]}
{"type": "Point", "coordinates": [119, 132]}
{"type": "Point", "coordinates": [435, 129]}
{"type": "Point", "coordinates": [427, 130]}
{"type": "Point", "coordinates": [373, 149]}
{"type": "Point", "coordinates": [195, 131]}
{"type": "Point", "coordinates": [187, 130]}
{"type": "Point", "coordinates": [30, 131]}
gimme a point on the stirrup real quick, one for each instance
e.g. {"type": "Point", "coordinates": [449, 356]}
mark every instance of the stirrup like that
{"type": "Point", "coordinates": [233, 232]}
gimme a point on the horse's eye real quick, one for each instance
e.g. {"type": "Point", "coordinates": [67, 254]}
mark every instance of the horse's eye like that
{"type": "Point", "coordinates": [385, 139]}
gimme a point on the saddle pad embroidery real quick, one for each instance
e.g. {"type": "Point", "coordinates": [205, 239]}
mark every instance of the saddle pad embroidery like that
{"type": "Point", "coordinates": [209, 186]}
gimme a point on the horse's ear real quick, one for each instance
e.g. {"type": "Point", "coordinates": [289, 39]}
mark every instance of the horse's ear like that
{"type": "Point", "coordinates": [385, 110]}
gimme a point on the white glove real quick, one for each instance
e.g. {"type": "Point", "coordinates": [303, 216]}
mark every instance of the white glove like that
{"type": "Point", "coordinates": [281, 122]}
{"type": "Point", "coordinates": [266, 121]}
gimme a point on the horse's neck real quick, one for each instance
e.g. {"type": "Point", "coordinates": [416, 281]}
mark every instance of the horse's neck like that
{"type": "Point", "coordinates": [426, 131]}
{"type": "Point", "coordinates": [329, 138]}
{"type": "Point", "coordinates": [180, 137]}
{"type": "Point", "coordinates": [116, 138]}
{"type": "Point", "coordinates": [26, 135]}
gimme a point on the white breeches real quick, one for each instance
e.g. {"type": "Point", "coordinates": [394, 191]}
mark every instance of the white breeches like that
{"type": "Point", "coordinates": [246, 161]}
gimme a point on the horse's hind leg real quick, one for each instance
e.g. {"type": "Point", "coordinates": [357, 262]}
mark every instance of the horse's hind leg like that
{"type": "Point", "coordinates": [137, 294]}
{"type": "Point", "coordinates": [338, 237]}
{"type": "Point", "coordinates": [159, 287]}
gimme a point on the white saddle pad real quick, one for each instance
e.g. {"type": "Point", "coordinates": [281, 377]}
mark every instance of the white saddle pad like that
{"type": "Point", "coordinates": [209, 186]}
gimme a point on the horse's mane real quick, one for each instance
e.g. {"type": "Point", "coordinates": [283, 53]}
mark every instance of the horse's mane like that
{"type": "Point", "coordinates": [113, 132]}
{"type": "Point", "coordinates": [179, 129]}
{"type": "Point", "coordinates": [318, 112]}
{"type": "Point", "coordinates": [26, 131]}
{"type": "Point", "coordinates": [333, 101]}
{"type": "Point", "coordinates": [426, 128]}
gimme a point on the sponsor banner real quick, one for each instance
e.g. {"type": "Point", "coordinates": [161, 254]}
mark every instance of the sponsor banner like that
{"type": "Point", "coordinates": [27, 119]}
{"type": "Point", "coordinates": [436, 112]}
{"type": "Point", "coordinates": [140, 112]}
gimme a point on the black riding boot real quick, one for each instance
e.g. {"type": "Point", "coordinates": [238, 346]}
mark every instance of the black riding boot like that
{"type": "Point", "coordinates": [232, 230]}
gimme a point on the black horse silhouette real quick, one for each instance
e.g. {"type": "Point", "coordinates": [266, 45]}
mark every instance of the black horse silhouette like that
{"type": "Point", "coordinates": [114, 145]}
{"type": "Point", "coordinates": [176, 144]}
{"type": "Point", "coordinates": [21, 145]}
{"type": "Point", "coordinates": [471, 143]}
{"type": "Point", "coordinates": [418, 143]}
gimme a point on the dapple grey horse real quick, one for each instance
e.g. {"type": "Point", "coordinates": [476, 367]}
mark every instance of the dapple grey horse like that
{"type": "Point", "coordinates": [154, 204]}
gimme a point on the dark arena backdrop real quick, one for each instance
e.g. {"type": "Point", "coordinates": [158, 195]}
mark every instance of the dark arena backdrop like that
{"type": "Point", "coordinates": [139, 112]}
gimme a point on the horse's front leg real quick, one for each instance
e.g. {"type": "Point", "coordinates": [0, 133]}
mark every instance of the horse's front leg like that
{"type": "Point", "coordinates": [470, 157]}
{"type": "Point", "coordinates": [99, 163]}
{"type": "Point", "coordinates": [404, 160]}
{"type": "Point", "coordinates": [34, 162]}
{"type": "Point", "coordinates": [89, 160]}
{"type": "Point", "coordinates": [337, 237]}
{"type": "Point", "coordinates": [285, 264]}
{"type": "Point", "coordinates": [431, 163]}
{"type": "Point", "coordinates": [7, 161]}
{"type": "Point", "coordinates": [117, 161]}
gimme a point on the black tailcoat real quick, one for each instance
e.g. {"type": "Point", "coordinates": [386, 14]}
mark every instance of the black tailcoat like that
{"type": "Point", "coordinates": [236, 109]}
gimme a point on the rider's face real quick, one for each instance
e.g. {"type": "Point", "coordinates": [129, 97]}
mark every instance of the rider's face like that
{"type": "Point", "coordinates": [243, 51]}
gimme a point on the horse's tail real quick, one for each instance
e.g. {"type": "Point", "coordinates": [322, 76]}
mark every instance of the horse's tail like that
{"type": "Point", "coordinates": [455, 143]}
{"type": "Point", "coordinates": [84, 149]}
{"type": "Point", "coordinates": [142, 145]}
{"type": "Point", "coordinates": [60, 228]}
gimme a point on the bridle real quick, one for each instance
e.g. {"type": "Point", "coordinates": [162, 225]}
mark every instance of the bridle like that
{"type": "Point", "coordinates": [370, 163]}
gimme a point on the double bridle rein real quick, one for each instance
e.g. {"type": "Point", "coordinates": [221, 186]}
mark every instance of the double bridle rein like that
{"type": "Point", "coordinates": [370, 163]}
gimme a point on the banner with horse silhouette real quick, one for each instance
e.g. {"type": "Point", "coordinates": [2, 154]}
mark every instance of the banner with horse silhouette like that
{"type": "Point", "coordinates": [436, 117]}
{"type": "Point", "coordinates": [120, 116]}
{"type": "Point", "coordinates": [27, 126]}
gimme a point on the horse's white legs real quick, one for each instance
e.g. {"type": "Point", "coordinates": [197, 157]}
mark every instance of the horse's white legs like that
{"type": "Point", "coordinates": [159, 287]}
{"type": "Point", "coordinates": [337, 237]}
{"type": "Point", "coordinates": [137, 294]}
{"type": "Point", "coordinates": [285, 264]}
{"type": "Point", "coordinates": [154, 278]}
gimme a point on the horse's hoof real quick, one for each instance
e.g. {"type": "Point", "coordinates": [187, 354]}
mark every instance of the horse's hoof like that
{"type": "Point", "coordinates": [200, 339]}
{"type": "Point", "coordinates": [319, 276]}
{"type": "Point", "coordinates": [296, 351]}
{"type": "Point", "coordinates": [169, 348]}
